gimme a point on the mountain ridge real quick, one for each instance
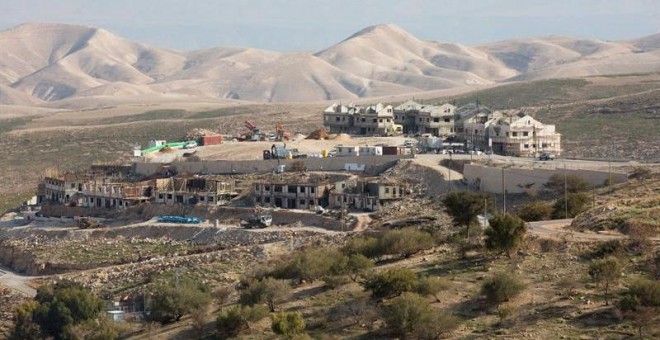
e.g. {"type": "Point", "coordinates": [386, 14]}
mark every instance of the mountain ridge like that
{"type": "Point", "coordinates": [51, 62]}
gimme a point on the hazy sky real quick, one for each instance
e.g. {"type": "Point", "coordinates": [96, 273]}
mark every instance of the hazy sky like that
{"type": "Point", "coordinates": [312, 25]}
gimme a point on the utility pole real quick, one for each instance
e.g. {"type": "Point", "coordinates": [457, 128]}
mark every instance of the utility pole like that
{"type": "Point", "coordinates": [565, 193]}
{"type": "Point", "coordinates": [449, 172]}
{"type": "Point", "coordinates": [609, 176]}
{"type": "Point", "coordinates": [503, 191]}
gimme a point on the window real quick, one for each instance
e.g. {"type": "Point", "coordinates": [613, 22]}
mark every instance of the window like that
{"type": "Point", "coordinates": [380, 120]}
{"type": "Point", "coordinates": [278, 188]}
{"type": "Point", "coordinates": [267, 187]}
{"type": "Point", "coordinates": [337, 118]}
{"type": "Point", "coordinates": [302, 190]}
{"type": "Point", "coordinates": [291, 189]}
{"type": "Point", "coordinates": [375, 120]}
{"type": "Point", "coordinates": [447, 120]}
{"type": "Point", "coordinates": [169, 196]}
{"type": "Point", "coordinates": [202, 198]}
{"type": "Point", "coordinates": [514, 134]}
{"type": "Point", "coordinates": [160, 196]}
{"type": "Point", "coordinates": [302, 202]}
{"type": "Point", "coordinates": [256, 187]}
{"type": "Point", "coordinates": [312, 190]}
{"type": "Point", "coordinates": [526, 146]}
{"type": "Point", "coordinates": [436, 120]}
{"type": "Point", "coordinates": [266, 199]}
{"type": "Point", "coordinates": [387, 190]}
{"type": "Point", "coordinates": [525, 133]}
{"type": "Point", "coordinates": [507, 134]}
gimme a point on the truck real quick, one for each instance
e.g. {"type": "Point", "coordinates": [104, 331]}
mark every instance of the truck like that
{"type": "Point", "coordinates": [430, 143]}
{"type": "Point", "coordinates": [547, 156]}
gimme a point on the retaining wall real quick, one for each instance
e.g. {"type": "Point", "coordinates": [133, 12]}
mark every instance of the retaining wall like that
{"type": "Point", "coordinates": [489, 179]}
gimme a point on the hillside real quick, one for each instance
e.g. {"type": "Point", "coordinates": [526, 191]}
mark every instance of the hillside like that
{"type": "Point", "coordinates": [56, 62]}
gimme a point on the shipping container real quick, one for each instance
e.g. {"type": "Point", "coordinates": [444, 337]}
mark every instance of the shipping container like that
{"type": "Point", "coordinates": [211, 140]}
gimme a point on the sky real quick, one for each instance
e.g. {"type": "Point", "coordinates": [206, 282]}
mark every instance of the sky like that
{"type": "Point", "coordinates": [309, 25]}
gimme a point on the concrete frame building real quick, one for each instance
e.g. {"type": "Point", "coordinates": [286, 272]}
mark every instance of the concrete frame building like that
{"type": "Point", "coordinates": [366, 195]}
{"type": "Point", "coordinates": [115, 195]}
{"type": "Point", "coordinates": [420, 119]}
{"type": "Point", "coordinates": [211, 191]}
{"type": "Point", "coordinates": [293, 193]}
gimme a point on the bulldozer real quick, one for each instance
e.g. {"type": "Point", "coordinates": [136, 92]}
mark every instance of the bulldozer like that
{"type": "Point", "coordinates": [86, 223]}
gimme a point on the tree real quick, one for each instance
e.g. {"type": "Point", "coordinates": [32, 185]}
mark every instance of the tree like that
{"type": "Point", "coordinates": [62, 306]}
{"type": "Point", "coordinates": [647, 291]}
{"type": "Point", "coordinates": [313, 264]}
{"type": "Point", "coordinates": [222, 294]}
{"type": "Point", "coordinates": [287, 324]}
{"type": "Point", "coordinates": [357, 265]}
{"type": "Point", "coordinates": [501, 287]}
{"type": "Point", "coordinates": [391, 282]}
{"type": "Point", "coordinates": [25, 328]}
{"type": "Point", "coordinates": [367, 246]}
{"type": "Point", "coordinates": [172, 300]}
{"type": "Point", "coordinates": [607, 272]}
{"type": "Point", "coordinates": [572, 184]}
{"type": "Point", "coordinates": [231, 322]}
{"type": "Point", "coordinates": [431, 286]}
{"type": "Point", "coordinates": [505, 233]}
{"type": "Point", "coordinates": [268, 290]}
{"type": "Point", "coordinates": [405, 242]}
{"type": "Point", "coordinates": [535, 211]}
{"type": "Point", "coordinates": [463, 207]}
{"type": "Point", "coordinates": [198, 319]}
{"type": "Point", "coordinates": [412, 315]}
{"type": "Point", "coordinates": [577, 203]}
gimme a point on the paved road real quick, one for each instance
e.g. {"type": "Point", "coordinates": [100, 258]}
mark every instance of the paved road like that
{"type": "Point", "coordinates": [17, 282]}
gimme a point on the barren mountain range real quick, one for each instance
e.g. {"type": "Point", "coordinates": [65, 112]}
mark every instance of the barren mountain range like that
{"type": "Point", "coordinates": [51, 64]}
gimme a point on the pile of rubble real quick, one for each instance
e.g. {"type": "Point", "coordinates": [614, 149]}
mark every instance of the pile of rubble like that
{"type": "Point", "coordinates": [318, 135]}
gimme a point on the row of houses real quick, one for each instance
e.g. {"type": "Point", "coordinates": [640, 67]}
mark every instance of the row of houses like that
{"type": "Point", "coordinates": [288, 191]}
{"type": "Point", "coordinates": [507, 133]}
{"type": "Point", "coordinates": [85, 190]}
{"type": "Point", "coordinates": [335, 192]}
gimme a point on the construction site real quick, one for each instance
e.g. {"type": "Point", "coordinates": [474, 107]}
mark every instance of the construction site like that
{"type": "Point", "coordinates": [213, 206]}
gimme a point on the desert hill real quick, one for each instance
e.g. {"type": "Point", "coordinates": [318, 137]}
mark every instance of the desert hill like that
{"type": "Point", "coordinates": [54, 62]}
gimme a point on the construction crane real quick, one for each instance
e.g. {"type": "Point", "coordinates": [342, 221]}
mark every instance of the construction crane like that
{"type": "Point", "coordinates": [254, 133]}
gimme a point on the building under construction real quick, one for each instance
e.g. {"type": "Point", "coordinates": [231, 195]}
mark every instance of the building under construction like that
{"type": "Point", "coordinates": [212, 191]}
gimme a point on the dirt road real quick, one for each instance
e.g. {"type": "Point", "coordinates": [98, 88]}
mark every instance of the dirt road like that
{"type": "Point", "coordinates": [556, 229]}
{"type": "Point", "coordinates": [17, 282]}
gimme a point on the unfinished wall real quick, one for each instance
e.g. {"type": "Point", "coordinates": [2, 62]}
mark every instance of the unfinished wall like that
{"type": "Point", "coordinates": [489, 179]}
{"type": "Point", "coordinates": [372, 165]}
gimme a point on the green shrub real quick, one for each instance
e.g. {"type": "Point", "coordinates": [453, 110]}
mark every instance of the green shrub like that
{"type": "Point", "coordinates": [505, 233]}
{"type": "Point", "coordinates": [431, 286]}
{"type": "Point", "coordinates": [405, 242]}
{"type": "Point", "coordinates": [577, 203]}
{"type": "Point", "coordinates": [410, 315]}
{"type": "Point", "coordinates": [647, 291]}
{"type": "Point", "coordinates": [391, 282]}
{"type": "Point", "coordinates": [269, 291]}
{"type": "Point", "coordinates": [501, 287]}
{"type": "Point", "coordinates": [287, 324]}
{"type": "Point", "coordinates": [535, 211]}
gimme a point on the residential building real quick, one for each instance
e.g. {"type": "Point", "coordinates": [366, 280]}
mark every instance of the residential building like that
{"type": "Point", "coordinates": [420, 119]}
{"type": "Point", "coordinates": [370, 120]}
{"type": "Point", "coordinates": [211, 191]}
{"type": "Point", "coordinates": [61, 188]}
{"type": "Point", "coordinates": [367, 194]}
{"type": "Point", "coordinates": [293, 192]}
{"type": "Point", "coordinates": [115, 195]}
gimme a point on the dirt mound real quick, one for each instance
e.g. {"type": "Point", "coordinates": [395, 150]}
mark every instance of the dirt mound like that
{"type": "Point", "coordinates": [342, 137]}
{"type": "Point", "coordinates": [166, 149]}
{"type": "Point", "coordinates": [199, 132]}
{"type": "Point", "coordinates": [318, 135]}
{"type": "Point", "coordinates": [298, 136]}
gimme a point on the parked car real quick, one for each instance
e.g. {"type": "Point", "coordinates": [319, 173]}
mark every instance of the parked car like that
{"type": "Point", "coordinates": [547, 156]}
